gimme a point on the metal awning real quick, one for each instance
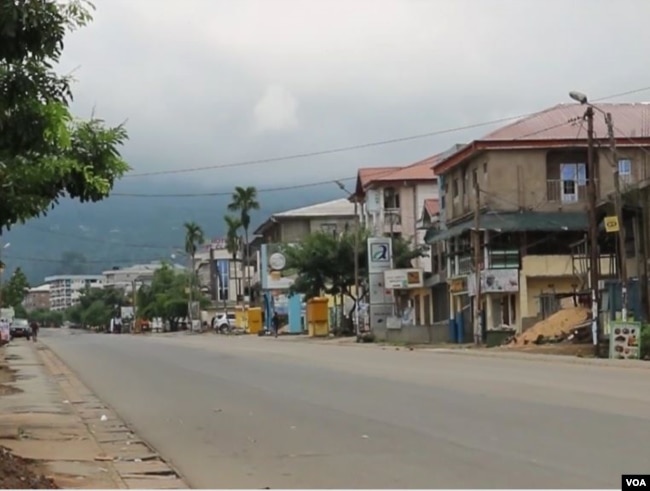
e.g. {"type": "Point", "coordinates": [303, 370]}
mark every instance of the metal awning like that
{"type": "Point", "coordinates": [528, 221]}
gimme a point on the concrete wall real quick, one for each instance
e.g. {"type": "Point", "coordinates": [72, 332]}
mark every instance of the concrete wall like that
{"type": "Point", "coordinates": [435, 334]}
{"type": "Point", "coordinates": [514, 179]}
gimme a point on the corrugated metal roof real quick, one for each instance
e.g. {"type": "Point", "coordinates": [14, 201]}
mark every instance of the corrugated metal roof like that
{"type": "Point", "coordinates": [564, 122]}
{"type": "Point", "coordinates": [44, 288]}
{"type": "Point", "coordinates": [366, 175]}
{"type": "Point", "coordinates": [419, 171]}
{"type": "Point", "coordinates": [338, 207]}
{"type": "Point", "coordinates": [515, 222]}
{"type": "Point", "coordinates": [432, 206]}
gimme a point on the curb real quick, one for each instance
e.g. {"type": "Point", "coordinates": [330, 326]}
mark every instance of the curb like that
{"type": "Point", "coordinates": [134, 461]}
{"type": "Point", "coordinates": [566, 359]}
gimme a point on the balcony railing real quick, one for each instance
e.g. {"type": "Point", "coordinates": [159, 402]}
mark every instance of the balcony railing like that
{"type": "Point", "coordinates": [563, 191]}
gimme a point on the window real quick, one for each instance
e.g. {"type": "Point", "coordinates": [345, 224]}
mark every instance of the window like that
{"type": "Point", "coordinates": [391, 198]}
{"type": "Point", "coordinates": [625, 167]}
{"type": "Point", "coordinates": [485, 170]}
{"type": "Point", "coordinates": [455, 190]}
{"type": "Point", "coordinates": [474, 178]}
{"type": "Point", "coordinates": [625, 170]}
{"type": "Point", "coordinates": [572, 176]}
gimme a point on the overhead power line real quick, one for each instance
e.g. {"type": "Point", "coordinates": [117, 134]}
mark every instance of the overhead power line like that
{"type": "Point", "coordinates": [359, 146]}
{"type": "Point", "coordinates": [229, 193]}
{"type": "Point", "coordinates": [375, 175]}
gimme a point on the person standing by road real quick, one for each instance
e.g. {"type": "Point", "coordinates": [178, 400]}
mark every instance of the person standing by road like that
{"type": "Point", "coordinates": [34, 328]}
{"type": "Point", "coordinates": [275, 323]}
{"type": "Point", "coordinates": [5, 332]}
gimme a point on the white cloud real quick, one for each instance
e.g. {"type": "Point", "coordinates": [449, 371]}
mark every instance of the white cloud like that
{"type": "Point", "coordinates": [194, 77]}
{"type": "Point", "coordinates": [277, 110]}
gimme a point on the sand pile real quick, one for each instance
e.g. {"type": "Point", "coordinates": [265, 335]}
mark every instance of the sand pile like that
{"type": "Point", "coordinates": [560, 323]}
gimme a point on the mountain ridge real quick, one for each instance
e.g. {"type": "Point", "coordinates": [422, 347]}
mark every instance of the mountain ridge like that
{"type": "Point", "coordinates": [123, 230]}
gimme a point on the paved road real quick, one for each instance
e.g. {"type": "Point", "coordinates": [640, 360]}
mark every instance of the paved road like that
{"type": "Point", "coordinates": [254, 412]}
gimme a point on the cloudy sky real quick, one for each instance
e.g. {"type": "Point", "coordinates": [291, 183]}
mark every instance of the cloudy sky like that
{"type": "Point", "coordinates": [207, 82]}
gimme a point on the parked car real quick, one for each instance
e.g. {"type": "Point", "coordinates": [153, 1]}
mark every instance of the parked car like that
{"type": "Point", "coordinates": [224, 322]}
{"type": "Point", "coordinates": [20, 329]}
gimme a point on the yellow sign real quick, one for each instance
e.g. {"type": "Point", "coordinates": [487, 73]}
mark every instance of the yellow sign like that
{"type": "Point", "coordinates": [611, 224]}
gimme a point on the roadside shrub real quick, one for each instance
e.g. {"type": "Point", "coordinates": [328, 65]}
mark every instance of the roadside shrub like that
{"type": "Point", "coordinates": [645, 342]}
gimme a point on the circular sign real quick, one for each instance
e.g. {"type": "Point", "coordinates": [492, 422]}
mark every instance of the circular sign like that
{"type": "Point", "coordinates": [277, 261]}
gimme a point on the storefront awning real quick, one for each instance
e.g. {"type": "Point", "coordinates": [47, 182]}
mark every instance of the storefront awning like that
{"type": "Point", "coordinates": [528, 221]}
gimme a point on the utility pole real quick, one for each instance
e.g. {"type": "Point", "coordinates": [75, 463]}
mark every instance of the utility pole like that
{"type": "Point", "coordinates": [189, 294]}
{"type": "Point", "coordinates": [594, 260]}
{"type": "Point", "coordinates": [222, 290]}
{"type": "Point", "coordinates": [618, 205]}
{"type": "Point", "coordinates": [134, 300]}
{"type": "Point", "coordinates": [356, 267]}
{"type": "Point", "coordinates": [478, 333]}
{"type": "Point", "coordinates": [213, 276]}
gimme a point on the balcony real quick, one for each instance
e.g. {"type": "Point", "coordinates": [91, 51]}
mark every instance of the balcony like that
{"type": "Point", "coordinates": [567, 192]}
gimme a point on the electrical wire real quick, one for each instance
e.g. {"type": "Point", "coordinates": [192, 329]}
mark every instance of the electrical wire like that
{"type": "Point", "coordinates": [229, 193]}
{"type": "Point", "coordinates": [375, 175]}
{"type": "Point", "coordinates": [358, 146]}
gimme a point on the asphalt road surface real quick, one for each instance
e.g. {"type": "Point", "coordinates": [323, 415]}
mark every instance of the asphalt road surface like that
{"type": "Point", "coordinates": [255, 412]}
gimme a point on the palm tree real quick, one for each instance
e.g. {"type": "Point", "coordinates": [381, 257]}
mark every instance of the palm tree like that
{"type": "Point", "coordinates": [194, 237]}
{"type": "Point", "coordinates": [244, 200]}
{"type": "Point", "coordinates": [233, 224]}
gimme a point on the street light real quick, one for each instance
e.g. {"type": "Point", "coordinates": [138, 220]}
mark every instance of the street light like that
{"type": "Point", "coordinates": [578, 97]}
{"type": "Point", "coordinates": [356, 255]}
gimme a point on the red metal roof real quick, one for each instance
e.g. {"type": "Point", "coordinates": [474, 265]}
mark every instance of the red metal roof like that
{"type": "Point", "coordinates": [560, 125]}
{"type": "Point", "coordinates": [564, 122]}
{"type": "Point", "coordinates": [432, 206]}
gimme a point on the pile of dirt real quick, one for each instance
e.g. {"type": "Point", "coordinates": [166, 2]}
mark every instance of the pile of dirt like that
{"type": "Point", "coordinates": [17, 473]}
{"type": "Point", "coordinates": [557, 326]}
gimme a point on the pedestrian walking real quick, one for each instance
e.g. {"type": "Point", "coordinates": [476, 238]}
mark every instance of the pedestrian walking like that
{"type": "Point", "coordinates": [275, 323]}
{"type": "Point", "coordinates": [5, 332]}
{"type": "Point", "coordinates": [34, 328]}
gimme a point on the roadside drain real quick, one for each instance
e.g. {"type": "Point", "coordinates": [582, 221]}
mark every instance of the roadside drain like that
{"type": "Point", "coordinates": [133, 460]}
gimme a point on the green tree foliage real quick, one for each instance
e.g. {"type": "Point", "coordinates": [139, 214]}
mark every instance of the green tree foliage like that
{"type": "Point", "coordinates": [244, 200]}
{"type": "Point", "coordinates": [233, 224]}
{"type": "Point", "coordinates": [324, 263]}
{"type": "Point", "coordinates": [48, 318]}
{"type": "Point", "coordinates": [96, 307]}
{"type": "Point", "coordinates": [166, 297]}
{"type": "Point", "coordinates": [14, 290]}
{"type": "Point", "coordinates": [46, 153]}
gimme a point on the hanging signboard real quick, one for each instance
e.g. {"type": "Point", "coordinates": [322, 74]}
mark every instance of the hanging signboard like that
{"type": "Point", "coordinates": [379, 254]}
{"type": "Point", "coordinates": [611, 224]}
{"type": "Point", "coordinates": [403, 279]}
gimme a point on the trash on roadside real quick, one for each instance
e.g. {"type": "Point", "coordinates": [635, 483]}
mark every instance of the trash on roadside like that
{"type": "Point", "coordinates": [365, 436]}
{"type": "Point", "coordinates": [104, 458]}
{"type": "Point", "coordinates": [103, 418]}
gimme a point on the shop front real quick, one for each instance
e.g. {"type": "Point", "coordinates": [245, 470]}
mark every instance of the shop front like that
{"type": "Point", "coordinates": [460, 324]}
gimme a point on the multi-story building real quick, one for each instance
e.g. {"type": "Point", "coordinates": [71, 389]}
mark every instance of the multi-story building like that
{"type": "Point", "coordinates": [226, 275]}
{"type": "Point", "coordinates": [393, 200]}
{"type": "Point", "coordinates": [292, 226]}
{"type": "Point", "coordinates": [526, 186]}
{"type": "Point", "coordinates": [128, 277]}
{"type": "Point", "coordinates": [65, 290]}
{"type": "Point", "coordinates": [37, 298]}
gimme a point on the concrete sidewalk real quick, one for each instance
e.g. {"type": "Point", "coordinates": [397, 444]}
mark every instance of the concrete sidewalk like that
{"type": "Point", "coordinates": [52, 418]}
